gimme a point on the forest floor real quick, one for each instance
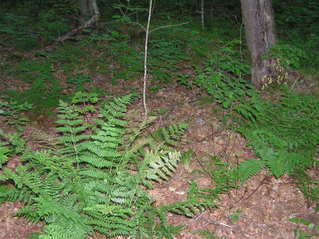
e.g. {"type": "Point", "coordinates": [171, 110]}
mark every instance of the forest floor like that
{"type": "Point", "coordinates": [259, 209]}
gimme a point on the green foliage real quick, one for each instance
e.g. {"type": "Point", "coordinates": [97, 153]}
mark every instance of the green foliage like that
{"type": "Point", "coordinates": [44, 90]}
{"type": "Point", "coordinates": [159, 166]}
{"type": "Point", "coordinates": [78, 81]}
{"type": "Point", "coordinates": [284, 134]}
{"type": "Point", "coordinates": [189, 208]}
{"type": "Point", "coordinates": [298, 29]}
{"type": "Point", "coordinates": [249, 168]}
{"type": "Point", "coordinates": [124, 55]}
{"type": "Point", "coordinates": [297, 16]}
{"type": "Point", "coordinates": [300, 233]}
{"type": "Point", "coordinates": [289, 55]}
{"type": "Point", "coordinates": [170, 134]}
{"type": "Point", "coordinates": [123, 60]}
{"type": "Point", "coordinates": [26, 32]}
{"type": "Point", "coordinates": [11, 27]}
{"type": "Point", "coordinates": [164, 57]}
{"type": "Point", "coordinates": [222, 76]}
{"type": "Point", "coordinates": [86, 184]}
{"type": "Point", "coordinates": [222, 174]}
{"type": "Point", "coordinates": [14, 141]}
{"type": "Point", "coordinates": [309, 187]}
{"type": "Point", "coordinates": [206, 234]}
{"type": "Point", "coordinates": [12, 113]}
{"type": "Point", "coordinates": [3, 155]}
{"type": "Point", "coordinates": [235, 216]}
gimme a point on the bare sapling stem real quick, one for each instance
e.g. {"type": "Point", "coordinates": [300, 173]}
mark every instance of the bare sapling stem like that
{"type": "Point", "coordinates": [202, 13]}
{"type": "Point", "coordinates": [145, 56]}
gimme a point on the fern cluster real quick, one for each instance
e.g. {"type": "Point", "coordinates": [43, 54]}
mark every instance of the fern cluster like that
{"type": "Point", "coordinates": [284, 134]}
{"type": "Point", "coordinates": [12, 113]}
{"type": "Point", "coordinates": [222, 76]}
{"type": "Point", "coordinates": [95, 182]}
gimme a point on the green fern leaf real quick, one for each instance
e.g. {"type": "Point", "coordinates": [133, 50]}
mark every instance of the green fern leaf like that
{"type": "Point", "coordinates": [3, 155]}
{"type": "Point", "coordinates": [248, 168]}
{"type": "Point", "coordinates": [189, 207]}
{"type": "Point", "coordinates": [159, 166]}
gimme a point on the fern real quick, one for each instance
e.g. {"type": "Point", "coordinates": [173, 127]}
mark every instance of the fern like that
{"type": "Point", "coordinates": [285, 134]}
{"type": "Point", "coordinates": [247, 169]}
{"type": "Point", "coordinates": [12, 111]}
{"type": "Point", "coordinates": [189, 207]}
{"type": "Point", "coordinates": [3, 155]}
{"type": "Point", "coordinates": [13, 194]}
{"type": "Point", "coordinates": [86, 184]}
{"type": "Point", "coordinates": [158, 166]}
{"type": "Point", "coordinates": [13, 141]}
{"type": "Point", "coordinates": [170, 134]}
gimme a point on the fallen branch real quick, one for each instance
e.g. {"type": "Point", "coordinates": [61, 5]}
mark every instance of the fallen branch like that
{"type": "Point", "coordinates": [93, 20]}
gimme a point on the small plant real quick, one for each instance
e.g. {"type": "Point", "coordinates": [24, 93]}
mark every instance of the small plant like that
{"type": "Point", "coordinates": [309, 187]}
{"type": "Point", "coordinates": [78, 81]}
{"type": "Point", "coordinates": [3, 155]}
{"type": "Point", "coordinates": [12, 111]}
{"type": "Point", "coordinates": [300, 233]}
{"type": "Point", "coordinates": [206, 234]}
{"type": "Point", "coordinates": [234, 217]}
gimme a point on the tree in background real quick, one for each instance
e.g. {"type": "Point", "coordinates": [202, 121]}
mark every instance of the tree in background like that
{"type": "Point", "coordinates": [260, 34]}
{"type": "Point", "coordinates": [86, 9]}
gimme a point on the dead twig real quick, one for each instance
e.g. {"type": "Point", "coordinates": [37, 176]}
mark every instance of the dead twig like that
{"type": "Point", "coordinates": [210, 221]}
{"type": "Point", "coordinates": [255, 190]}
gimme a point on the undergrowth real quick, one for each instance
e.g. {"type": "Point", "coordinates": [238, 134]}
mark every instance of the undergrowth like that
{"type": "Point", "coordinates": [283, 128]}
{"type": "Point", "coordinates": [94, 179]}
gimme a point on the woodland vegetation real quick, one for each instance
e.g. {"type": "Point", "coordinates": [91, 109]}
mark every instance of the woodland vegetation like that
{"type": "Point", "coordinates": [82, 146]}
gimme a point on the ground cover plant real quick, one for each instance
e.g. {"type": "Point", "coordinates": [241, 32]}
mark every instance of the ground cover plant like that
{"type": "Point", "coordinates": [102, 168]}
{"type": "Point", "coordinates": [85, 183]}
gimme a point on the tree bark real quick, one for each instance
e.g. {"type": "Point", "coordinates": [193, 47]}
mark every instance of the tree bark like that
{"type": "Point", "coordinates": [86, 10]}
{"type": "Point", "coordinates": [260, 35]}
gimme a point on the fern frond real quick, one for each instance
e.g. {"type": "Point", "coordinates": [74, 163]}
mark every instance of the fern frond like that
{"type": "Point", "coordinates": [29, 212]}
{"type": "Point", "coordinates": [170, 134]}
{"type": "Point", "coordinates": [72, 129]}
{"type": "Point", "coordinates": [93, 173]}
{"type": "Point", "coordinates": [108, 210]}
{"type": "Point", "coordinates": [3, 155]}
{"type": "Point", "coordinates": [59, 228]}
{"type": "Point", "coordinates": [96, 161]}
{"type": "Point", "coordinates": [158, 166]}
{"type": "Point", "coordinates": [8, 193]}
{"type": "Point", "coordinates": [248, 169]}
{"type": "Point", "coordinates": [188, 208]}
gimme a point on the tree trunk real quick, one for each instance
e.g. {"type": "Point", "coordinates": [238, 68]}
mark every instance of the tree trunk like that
{"type": "Point", "coordinates": [86, 10]}
{"type": "Point", "coordinates": [259, 27]}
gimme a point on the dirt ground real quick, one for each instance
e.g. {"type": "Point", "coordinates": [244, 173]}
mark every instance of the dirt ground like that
{"type": "Point", "coordinates": [259, 209]}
